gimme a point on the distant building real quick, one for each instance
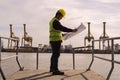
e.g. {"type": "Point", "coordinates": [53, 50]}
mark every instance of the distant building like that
{"type": "Point", "coordinates": [2, 44]}
{"type": "Point", "coordinates": [27, 45]}
{"type": "Point", "coordinates": [62, 49]}
{"type": "Point", "coordinates": [117, 47]}
{"type": "Point", "coordinates": [45, 48]}
{"type": "Point", "coordinates": [68, 48]}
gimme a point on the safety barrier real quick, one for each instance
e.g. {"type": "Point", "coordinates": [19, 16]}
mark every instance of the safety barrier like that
{"type": "Point", "coordinates": [2, 59]}
{"type": "Point", "coordinates": [37, 50]}
{"type": "Point", "coordinates": [111, 52]}
{"type": "Point", "coordinates": [78, 48]}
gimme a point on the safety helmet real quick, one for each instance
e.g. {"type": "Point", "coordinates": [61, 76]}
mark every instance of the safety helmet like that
{"type": "Point", "coordinates": [62, 11]}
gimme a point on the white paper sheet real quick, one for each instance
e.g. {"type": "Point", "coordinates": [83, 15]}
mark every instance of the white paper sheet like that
{"type": "Point", "coordinates": [71, 34]}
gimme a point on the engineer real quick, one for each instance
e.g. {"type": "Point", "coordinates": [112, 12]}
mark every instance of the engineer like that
{"type": "Point", "coordinates": [55, 37]}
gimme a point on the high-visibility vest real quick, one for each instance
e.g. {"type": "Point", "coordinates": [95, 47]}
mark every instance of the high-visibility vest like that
{"type": "Point", "coordinates": [55, 35]}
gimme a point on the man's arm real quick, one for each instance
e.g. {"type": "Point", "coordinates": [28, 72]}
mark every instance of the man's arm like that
{"type": "Point", "coordinates": [58, 26]}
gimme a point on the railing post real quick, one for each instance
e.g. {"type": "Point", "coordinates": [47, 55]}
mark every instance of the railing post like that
{"type": "Point", "coordinates": [17, 50]}
{"type": "Point", "coordinates": [37, 59]}
{"type": "Point", "coordinates": [2, 74]}
{"type": "Point", "coordinates": [73, 59]}
{"type": "Point", "coordinates": [112, 59]}
{"type": "Point", "coordinates": [103, 43]}
{"type": "Point", "coordinates": [92, 56]}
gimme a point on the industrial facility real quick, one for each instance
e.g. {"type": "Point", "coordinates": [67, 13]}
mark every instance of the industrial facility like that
{"type": "Point", "coordinates": [27, 41]}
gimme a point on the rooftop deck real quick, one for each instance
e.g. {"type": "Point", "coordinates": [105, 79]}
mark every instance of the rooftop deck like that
{"type": "Point", "coordinates": [69, 74]}
{"type": "Point", "coordinates": [45, 75]}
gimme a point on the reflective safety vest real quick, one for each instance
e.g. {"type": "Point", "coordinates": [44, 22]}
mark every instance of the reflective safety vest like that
{"type": "Point", "coordinates": [55, 35]}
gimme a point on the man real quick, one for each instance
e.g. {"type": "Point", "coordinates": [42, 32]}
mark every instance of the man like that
{"type": "Point", "coordinates": [56, 29]}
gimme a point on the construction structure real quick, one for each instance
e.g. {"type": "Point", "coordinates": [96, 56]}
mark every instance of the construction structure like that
{"type": "Point", "coordinates": [104, 35]}
{"type": "Point", "coordinates": [12, 35]}
{"type": "Point", "coordinates": [89, 37]}
{"type": "Point", "coordinates": [26, 38]}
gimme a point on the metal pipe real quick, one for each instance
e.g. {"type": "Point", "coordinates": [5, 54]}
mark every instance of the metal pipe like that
{"type": "Point", "coordinates": [73, 59]}
{"type": "Point", "coordinates": [112, 55]}
{"type": "Point", "coordinates": [112, 60]}
{"type": "Point", "coordinates": [21, 68]}
{"type": "Point", "coordinates": [8, 57]}
{"type": "Point", "coordinates": [24, 34]}
{"type": "Point", "coordinates": [92, 56]}
{"type": "Point", "coordinates": [2, 74]}
{"type": "Point", "coordinates": [0, 50]}
{"type": "Point", "coordinates": [37, 59]}
{"type": "Point", "coordinates": [99, 45]}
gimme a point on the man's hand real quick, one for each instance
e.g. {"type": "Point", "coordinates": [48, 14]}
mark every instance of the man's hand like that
{"type": "Point", "coordinates": [74, 30]}
{"type": "Point", "coordinates": [63, 34]}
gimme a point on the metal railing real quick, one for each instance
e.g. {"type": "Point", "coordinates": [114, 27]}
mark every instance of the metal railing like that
{"type": "Point", "coordinates": [2, 59]}
{"type": "Point", "coordinates": [112, 51]}
{"type": "Point", "coordinates": [78, 48]}
{"type": "Point", "coordinates": [36, 49]}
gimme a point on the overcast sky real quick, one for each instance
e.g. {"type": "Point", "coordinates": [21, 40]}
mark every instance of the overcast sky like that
{"type": "Point", "coordinates": [36, 14]}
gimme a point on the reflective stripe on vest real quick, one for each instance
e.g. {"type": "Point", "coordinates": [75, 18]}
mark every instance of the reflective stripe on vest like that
{"type": "Point", "coordinates": [55, 35]}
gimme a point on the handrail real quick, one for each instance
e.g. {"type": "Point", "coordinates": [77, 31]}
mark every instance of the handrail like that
{"type": "Point", "coordinates": [82, 47]}
{"type": "Point", "coordinates": [75, 48]}
{"type": "Point", "coordinates": [111, 52]}
{"type": "Point", "coordinates": [105, 59]}
{"type": "Point", "coordinates": [2, 59]}
{"type": "Point", "coordinates": [9, 38]}
{"type": "Point", "coordinates": [37, 55]}
{"type": "Point", "coordinates": [16, 55]}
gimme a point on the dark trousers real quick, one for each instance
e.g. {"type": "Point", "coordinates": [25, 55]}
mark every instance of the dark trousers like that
{"type": "Point", "coordinates": [55, 55]}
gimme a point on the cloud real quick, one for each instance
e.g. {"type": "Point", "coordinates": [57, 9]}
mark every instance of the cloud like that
{"type": "Point", "coordinates": [37, 14]}
{"type": "Point", "coordinates": [109, 1]}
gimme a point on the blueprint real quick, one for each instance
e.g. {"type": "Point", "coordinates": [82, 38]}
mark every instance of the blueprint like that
{"type": "Point", "coordinates": [71, 34]}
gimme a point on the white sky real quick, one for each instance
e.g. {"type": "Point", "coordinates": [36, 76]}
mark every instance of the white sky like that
{"type": "Point", "coordinates": [36, 14]}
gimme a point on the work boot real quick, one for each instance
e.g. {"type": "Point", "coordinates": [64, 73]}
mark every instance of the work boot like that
{"type": "Point", "coordinates": [57, 73]}
{"type": "Point", "coordinates": [53, 70]}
